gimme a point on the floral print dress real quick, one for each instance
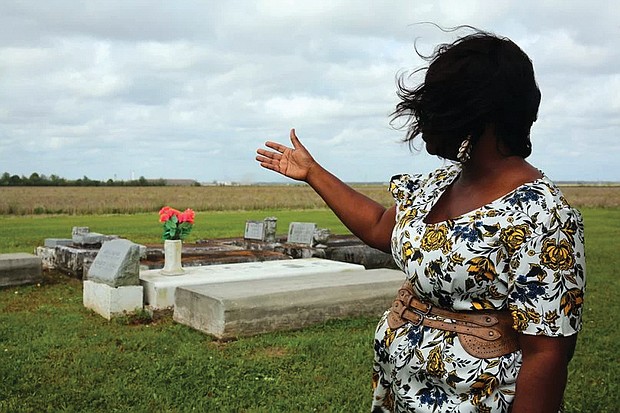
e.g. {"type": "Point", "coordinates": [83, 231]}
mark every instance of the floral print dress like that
{"type": "Point", "coordinates": [522, 252]}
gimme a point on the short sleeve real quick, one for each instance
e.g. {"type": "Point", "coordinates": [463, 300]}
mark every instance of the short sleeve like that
{"type": "Point", "coordinates": [547, 279]}
{"type": "Point", "coordinates": [403, 186]}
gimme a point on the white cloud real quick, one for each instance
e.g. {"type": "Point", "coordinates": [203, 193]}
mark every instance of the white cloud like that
{"type": "Point", "coordinates": [102, 88]}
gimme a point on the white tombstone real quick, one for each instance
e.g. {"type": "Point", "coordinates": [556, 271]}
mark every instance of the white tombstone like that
{"type": "Point", "coordinates": [301, 232]}
{"type": "Point", "coordinates": [254, 230]}
{"type": "Point", "coordinates": [112, 284]}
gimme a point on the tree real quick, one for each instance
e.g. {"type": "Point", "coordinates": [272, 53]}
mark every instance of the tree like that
{"type": "Point", "coordinates": [4, 180]}
{"type": "Point", "coordinates": [34, 179]}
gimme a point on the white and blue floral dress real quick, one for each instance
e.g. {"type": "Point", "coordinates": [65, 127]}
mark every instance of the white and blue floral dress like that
{"type": "Point", "coordinates": [523, 253]}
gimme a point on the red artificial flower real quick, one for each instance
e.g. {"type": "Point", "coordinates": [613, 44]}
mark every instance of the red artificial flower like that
{"type": "Point", "coordinates": [187, 216]}
{"type": "Point", "coordinates": [166, 213]}
{"type": "Point", "coordinates": [177, 225]}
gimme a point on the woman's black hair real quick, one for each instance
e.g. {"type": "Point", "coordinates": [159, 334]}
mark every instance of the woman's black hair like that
{"type": "Point", "coordinates": [478, 80]}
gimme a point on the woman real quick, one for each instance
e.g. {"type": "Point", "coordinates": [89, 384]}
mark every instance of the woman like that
{"type": "Point", "coordinates": [489, 236]}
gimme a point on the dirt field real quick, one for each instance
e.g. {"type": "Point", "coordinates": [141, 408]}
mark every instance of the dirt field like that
{"type": "Point", "coordinates": [115, 200]}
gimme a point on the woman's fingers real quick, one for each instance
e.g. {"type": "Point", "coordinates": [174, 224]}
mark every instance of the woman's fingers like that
{"type": "Point", "coordinates": [268, 162]}
{"type": "Point", "coordinates": [268, 154]}
{"type": "Point", "coordinates": [281, 158]}
{"type": "Point", "coordinates": [276, 146]}
{"type": "Point", "coordinates": [270, 159]}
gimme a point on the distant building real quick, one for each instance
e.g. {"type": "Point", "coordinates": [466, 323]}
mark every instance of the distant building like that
{"type": "Point", "coordinates": [175, 182]}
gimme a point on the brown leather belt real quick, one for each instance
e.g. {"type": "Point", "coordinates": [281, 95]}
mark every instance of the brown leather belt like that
{"type": "Point", "coordinates": [483, 334]}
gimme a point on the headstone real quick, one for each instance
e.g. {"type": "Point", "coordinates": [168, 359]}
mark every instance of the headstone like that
{"type": "Point", "coordinates": [117, 264]}
{"type": "Point", "coordinates": [301, 232]}
{"type": "Point", "coordinates": [79, 231]}
{"type": "Point", "coordinates": [271, 224]}
{"type": "Point", "coordinates": [254, 230]}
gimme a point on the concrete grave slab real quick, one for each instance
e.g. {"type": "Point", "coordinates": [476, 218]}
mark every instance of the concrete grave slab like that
{"type": "Point", "coordinates": [245, 308]}
{"type": "Point", "coordinates": [73, 260]}
{"type": "Point", "coordinates": [82, 236]}
{"type": "Point", "coordinates": [109, 301]}
{"type": "Point", "coordinates": [159, 289]}
{"type": "Point", "coordinates": [19, 268]}
{"type": "Point", "coordinates": [53, 242]}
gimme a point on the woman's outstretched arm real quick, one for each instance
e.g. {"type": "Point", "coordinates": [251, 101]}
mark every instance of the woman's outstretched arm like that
{"type": "Point", "coordinates": [364, 217]}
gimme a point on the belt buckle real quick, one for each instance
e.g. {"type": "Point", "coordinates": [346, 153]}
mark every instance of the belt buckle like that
{"type": "Point", "coordinates": [420, 320]}
{"type": "Point", "coordinates": [428, 308]}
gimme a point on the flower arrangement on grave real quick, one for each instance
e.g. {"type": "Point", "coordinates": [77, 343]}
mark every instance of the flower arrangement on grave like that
{"type": "Point", "coordinates": [177, 224]}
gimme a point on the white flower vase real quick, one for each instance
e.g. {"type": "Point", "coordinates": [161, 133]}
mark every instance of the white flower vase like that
{"type": "Point", "coordinates": [172, 257]}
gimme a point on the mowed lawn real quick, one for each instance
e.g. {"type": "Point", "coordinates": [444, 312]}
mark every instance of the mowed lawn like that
{"type": "Point", "coordinates": [57, 356]}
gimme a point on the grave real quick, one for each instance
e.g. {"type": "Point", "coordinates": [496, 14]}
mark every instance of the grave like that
{"type": "Point", "coordinates": [228, 310]}
{"type": "Point", "coordinates": [301, 233]}
{"type": "Point", "coordinates": [112, 282]}
{"type": "Point", "coordinates": [264, 230]}
{"type": "Point", "coordinates": [74, 256]}
{"type": "Point", "coordinates": [82, 236]}
{"type": "Point", "coordinates": [19, 268]}
{"type": "Point", "coordinates": [159, 289]}
{"type": "Point", "coordinates": [254, 230]}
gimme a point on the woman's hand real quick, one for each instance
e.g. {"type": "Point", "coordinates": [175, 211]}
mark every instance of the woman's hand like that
{"type": "Point", "coordinates": [295, 163]}
{"type": "Point", "coordinates": [366, 218]}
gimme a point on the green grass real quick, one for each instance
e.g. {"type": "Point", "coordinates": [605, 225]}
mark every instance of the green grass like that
{"type": "Point", "coordinates": [57, 356]}
{"type": "Point", "coordinates": [24, 233]}
{"type": "Point", "coordinates": [593, 383]}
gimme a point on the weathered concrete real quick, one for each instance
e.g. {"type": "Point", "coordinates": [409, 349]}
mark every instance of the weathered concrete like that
{"type": "Point", "coordinates": [81, 236]}
{"type": "Point", "coordinates": [159, 289]}
{"type": "Point", "coordinates": [110, 301]}
{"type": "Point", "coordinates": [53, 242]}
{"type": "Point", "coordinates": [358, 253]}
{"type": "Point", "coordinates": [19, 268]}
{"type": "Point", "coordinates": [74, 261]}
{"type": "Point", "coordinates": [234, 309]}
{"type": "Point", "coordinates": [47, 256]}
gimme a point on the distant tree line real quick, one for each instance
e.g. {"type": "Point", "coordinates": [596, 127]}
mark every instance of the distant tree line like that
{"type": "Point", "coordinates": [54, 180]}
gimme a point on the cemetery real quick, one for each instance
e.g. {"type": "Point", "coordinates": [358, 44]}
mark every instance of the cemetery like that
{"type": "Point", "coordinates": [59, 351]}
{"type": "Point", "coordinates": [226, 288]}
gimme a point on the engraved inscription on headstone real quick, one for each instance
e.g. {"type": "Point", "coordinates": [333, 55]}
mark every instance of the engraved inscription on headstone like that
{"type": "Point", "coordinates": [301, 232]}
{"type": "Point", "coordinates": [117, 264]}
{"type": "Point", "coordinates": [254, 230]}
{"type": "Point", "coordinates": [80, 230]}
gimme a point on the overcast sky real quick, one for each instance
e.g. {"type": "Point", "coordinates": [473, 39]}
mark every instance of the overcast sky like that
{"type": "Point", "coordinates": [190, 89]}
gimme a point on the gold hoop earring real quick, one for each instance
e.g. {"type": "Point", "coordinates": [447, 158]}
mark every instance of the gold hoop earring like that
{"type": "Point", "coordinates": [464, 150]}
